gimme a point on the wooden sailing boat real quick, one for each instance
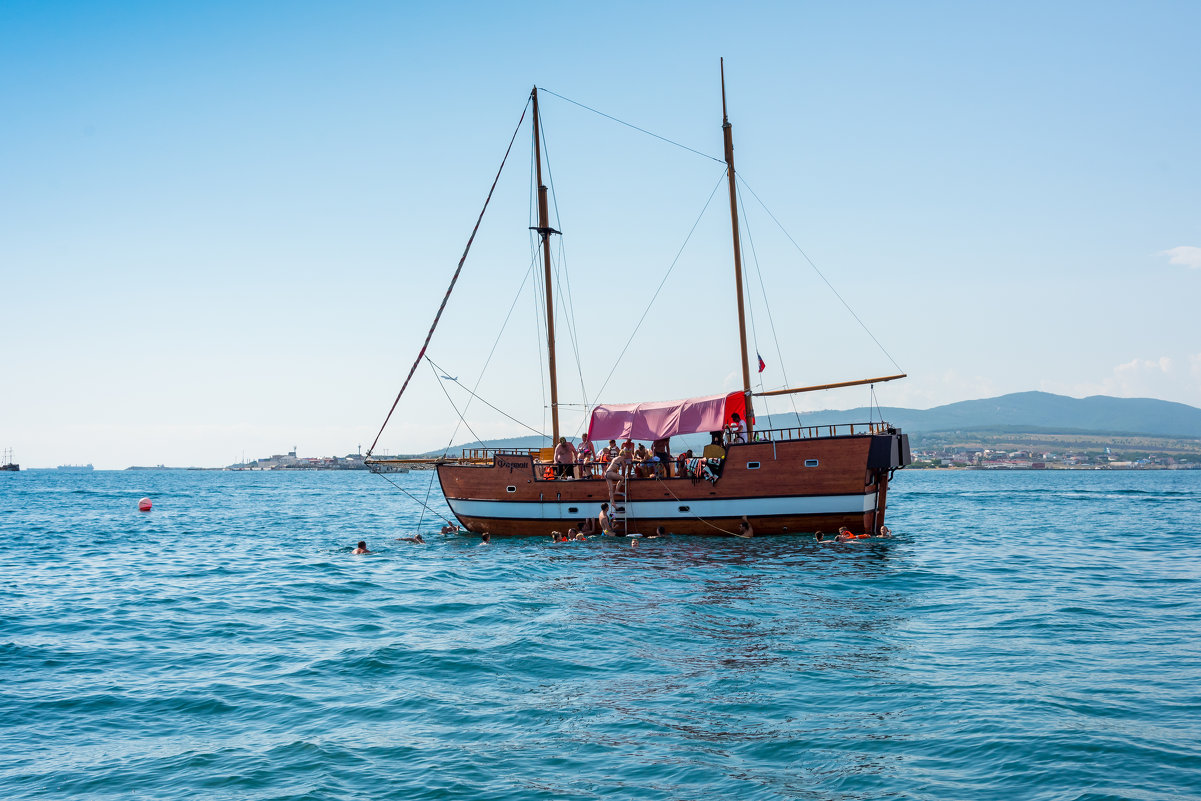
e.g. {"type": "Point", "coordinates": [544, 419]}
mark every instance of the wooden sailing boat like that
{"type": "Point", "coordinates": [782, 480]}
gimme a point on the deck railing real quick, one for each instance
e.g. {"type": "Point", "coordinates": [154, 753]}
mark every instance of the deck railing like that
{"type": "Point", "coordinates": [486, 454]}
{"type": "Point", "coordinates": [812, 432]}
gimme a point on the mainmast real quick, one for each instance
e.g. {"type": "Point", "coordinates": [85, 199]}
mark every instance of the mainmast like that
{"type": "Point", "coordinates": [544, 230]}
{"type": "Point", "coordinates": [728, 132]}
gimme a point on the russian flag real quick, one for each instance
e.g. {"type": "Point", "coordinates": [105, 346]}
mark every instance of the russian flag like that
{"type": "Point", "coordinates": [762, 364]}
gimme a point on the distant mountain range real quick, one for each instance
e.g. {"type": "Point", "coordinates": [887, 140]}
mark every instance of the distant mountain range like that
{"type": "Point", "coordinates": [1032, 411]}
{"type": "Point", "coordinates": [1019, 411]}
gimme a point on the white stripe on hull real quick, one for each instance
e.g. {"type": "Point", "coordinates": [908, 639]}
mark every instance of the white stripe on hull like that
{"type": "Point", "coordinates": [666, 510]}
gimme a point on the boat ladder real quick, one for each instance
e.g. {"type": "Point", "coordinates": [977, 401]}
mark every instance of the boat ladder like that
{"type": "Point", "coordinates": [617, 515]}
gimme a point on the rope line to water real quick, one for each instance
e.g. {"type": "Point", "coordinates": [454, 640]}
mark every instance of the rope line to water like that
{"type": "Point", "coordinates": [384, 476]}
{"type": "Point", "coordinates": [698, 517]}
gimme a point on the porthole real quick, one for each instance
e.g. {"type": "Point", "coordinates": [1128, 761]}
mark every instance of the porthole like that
{"type": "Point", "coordinates": [752, 465]}
{"type": "Point", "coordinates": [572, 509]}
{"type": "Point", "coordinates": [811, 463]}
{"type": "Point", "coordinates": [510, 488]}
{"type": "Point", "coordinates": [685, 508]}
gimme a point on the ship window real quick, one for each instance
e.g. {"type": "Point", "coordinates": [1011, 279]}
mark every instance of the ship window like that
{"type": "Point", "coordinates": [752, 465]}
{"type": "Point", "coordinates": [572, 509]}
{"type": "Point", "coordinates": [685, 508]}
{"type": "Point", "coordinates": [510, 488]}
{"type": "Point", "coordinates": [811, 463]}
{"type": "Point", "coordinates": [621, 509]}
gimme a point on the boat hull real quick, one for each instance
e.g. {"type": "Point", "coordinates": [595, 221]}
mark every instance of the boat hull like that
{"type": "Point", "coordinates": [788, 487]}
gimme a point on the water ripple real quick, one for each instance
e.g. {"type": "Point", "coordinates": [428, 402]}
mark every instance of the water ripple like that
{"type": "Point", "coordinates": [1025, 634]}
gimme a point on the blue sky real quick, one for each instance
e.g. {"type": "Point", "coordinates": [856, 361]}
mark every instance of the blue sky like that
{"type": "Point", "coordinates": [225, 228]}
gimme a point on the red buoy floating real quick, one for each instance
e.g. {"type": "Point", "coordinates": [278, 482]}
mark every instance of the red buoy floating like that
{"type": "Point", "coordinates": [144, 505]}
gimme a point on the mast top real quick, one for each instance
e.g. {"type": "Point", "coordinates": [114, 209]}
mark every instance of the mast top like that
{"type": "Point", "coordinates": [724, 119]}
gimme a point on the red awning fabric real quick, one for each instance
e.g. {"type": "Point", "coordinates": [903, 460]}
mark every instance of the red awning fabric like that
{"type": "Point", "coordinates": [651, 421]}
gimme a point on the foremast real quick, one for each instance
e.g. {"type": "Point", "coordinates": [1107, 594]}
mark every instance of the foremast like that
{"type": "Point", "coordinates": [728, 135]}
{"type": "Point", "coordinates": [544, 230]}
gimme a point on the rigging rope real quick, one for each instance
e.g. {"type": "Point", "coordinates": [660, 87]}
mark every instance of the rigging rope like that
{"type": "Point", "coordinates": [565, 299]}
{"type": "Point", "coordinates": [453, 280]}
{"type": "Point", "coordinates": [631, 125]}
{"type": "Point", "coordinates": [766, 305]}
{"type": "Point", "coordinates": [481, 400]}
{"type": "Point", "coordinates": [463, 419]}
{"type": "Point", "coordinates": [661, 283]}
{"type": "Point", "coordinates": [846, 305]}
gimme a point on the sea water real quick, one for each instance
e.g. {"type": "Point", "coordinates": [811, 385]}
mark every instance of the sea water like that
{"type": "Point", "coordinates": [1025, 635]}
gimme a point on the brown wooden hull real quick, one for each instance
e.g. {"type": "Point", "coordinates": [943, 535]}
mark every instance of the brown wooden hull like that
{"type": "Point", "coordinates": [788, 487]}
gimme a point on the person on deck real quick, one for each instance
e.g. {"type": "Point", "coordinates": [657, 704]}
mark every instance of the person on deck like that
{"type": "Point", "coordinates": [585, 455]}
{"type": "Point", "coordinates": [662, 450]}
{"type": "Point", "coordinates": [737, 429]}
{"type": "Point", "coordinates": [613, 449]}
{"type": "Point", "coordinates": [643, 458]}
{"type": "Point", "coordinates": [565, 456]}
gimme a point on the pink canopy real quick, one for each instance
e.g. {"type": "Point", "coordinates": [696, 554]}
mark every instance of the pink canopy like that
{"type": "Point", "coordinates": [651, 421]}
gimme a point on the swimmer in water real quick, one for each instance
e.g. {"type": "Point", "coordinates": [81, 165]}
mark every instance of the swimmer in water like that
{"type": "Point", "coordinates": [450, 528]}
{"type": "Point", "coordinates": [417, 538]}
{"type": "Point", "coordinates": [634, 543]}
{"type": "Point", "coordinates": [485, 538]}
{"type": "Point", "coordinates": [885, 531]}
{"type": "Point", "coordinates": [744, 528]}
{"type": "Point", "coordinates": [844, 534]}
{"type": "Point", "coordinates": [579, 536]}
{"type": "Point", "coordinates": [819, 536]}
{"type": "Point", "coordinates": [603, 521]}
{"type": "Point", "coordinates": [361, 549]}
{"type": "Point", "coordinates": [659, 532]}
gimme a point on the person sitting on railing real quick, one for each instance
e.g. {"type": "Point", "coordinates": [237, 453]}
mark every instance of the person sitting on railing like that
{"type": "Point", "coordinates": [682, 463]}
